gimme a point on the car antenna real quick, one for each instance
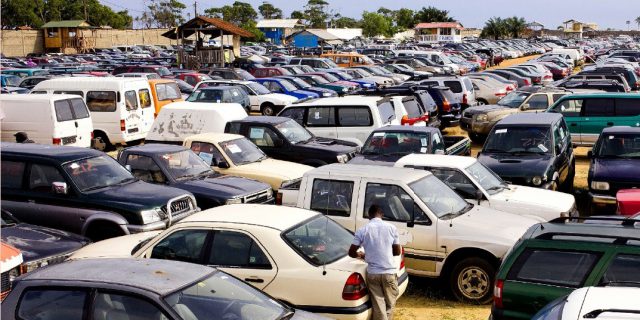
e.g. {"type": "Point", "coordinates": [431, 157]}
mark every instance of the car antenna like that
{"type": "Point", "coordinates": [326, 224]}
{"type": "Point", "coordinates": [451, 220]}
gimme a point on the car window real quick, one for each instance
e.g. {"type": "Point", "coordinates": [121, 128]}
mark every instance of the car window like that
{"type": "Point", "coordinates": [455, 86]}
{"type": "Point", "coordinates": [262, 136]}
{"type": "Point", "coordinates": [557, 96]}
{"type": "Point", "coordinates": [182, 245]}
{"type": "Point", "coordinates": [79, 108]}
{"type": "Point", "coordinates": [561, 268]}
{"type": "Point", "coordinates": [146, 169]}
{"type": "Point", "coordinates": [42, 177]}
{"type": "Point", "coordinates": [236, 249]}
{"type": "Point", "coordinates": [63, 110]}
{"type": "Point", "coordinates": [412, 107]}
{"type": "Point", "coordinates": [598, 108]}
{"type": "Point", "coordinates": [321, 116]}
{"type": "Point", "coordinates": [396, 204]}
{"type": "Point", "coordinates": [538, 102]}
{"type": "Point", "coordinates": [49, 303]}
{"type": "Point", "coordinates": [167, 91]}
{"type": "Point", "coordinates": [297, 114]}
{"type": "Point", "coordinates": [570, 107]}
{"type": "Point", "coordinates": [623, 269]}
{"type": "Point", "coordinates": [109, 306]}
{"type": "Point", "coordinates": [145, 98]}
{"type": "Point", "coordinates": [130, 100]}
{"type": "Point", "coordinates": [12, 174]}
{"type": "Point", "coordinates": [207, 152]}
{"type": "Point", "coordinates": [455, 179]}
{"type": "Point", "coordinates": [332, 197]}
{"type": "Point", "coordinates": [78, 93]}
{"type": "Point", "coordinates": [627, 107]}
{"type": "Point", "coordinates": [437, 142]}
{"type": "Point", "coordinates": [101, 101]}
{"type": "Point", "coordinates": [354, 117]}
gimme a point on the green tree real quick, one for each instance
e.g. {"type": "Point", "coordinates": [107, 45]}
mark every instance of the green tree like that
{"type": "Point", "coordinates": [241, 14]}
{"type": "Point", "coordinates": [515, 26]}
{"type": "Point", "coordinates": [494, 28]}
{"type": "Point", "coordinates": [638, 22]}
{"type": "Point", "coordinates": [268, 11]}
{"type": "Point", "coordinates": [375, 24]}
{"type": "Point", "coordinates": [316, 13]}
{"type": "Point", "coordinates": [163, 14]}
{"type": "Point", "coordinates": [297, 15]}
{"type": "Point", "coordinates": [405, 18]}
{"type": "Point", "coordinates": [432, 14]}
{"type": "Point", "coordinates": [346, 22]}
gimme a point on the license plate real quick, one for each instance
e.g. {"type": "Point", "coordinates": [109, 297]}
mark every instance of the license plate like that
{"type": "Point", "coordinates": [133, 130]}
{"type": "Point", "coordinates": [69, 140]}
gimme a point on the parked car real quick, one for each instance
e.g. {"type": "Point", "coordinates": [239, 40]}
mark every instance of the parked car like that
{"type": "Point", "coordinates": [552, 259]}
{"type": "Point", "coordinates": [302, 85]}
{"type": "Point", "coordinates": [262, 100]}
{"type": "Point", "coordinates": [267, 72]}
{"type": "Point", "coordinates": [316, 63]}
{"type": "Point", "coordinates": [222, 94]}
{"type": "Point", "coordinates": [269, 254]}
{"type": "Point", "coordinates": [277, 85]}
{"type": "Point", "coordinates": [10, 268]}
{"type": "Point", "coordinates": [163, 92]}
{"type": "Point", "coordinates": [181, 168]}
{"type": "Point", "coordinates": [231, 73]}
{"type": "Point", "coordinates": [318, 81]}
{"type": "Point", "coordinates": [628, 202]}
{"type": "Point", "coordinates": [26, 72]}
{"type": "Point", "coordinates": [414, 74]}
{"type": "Point", "coordinates": [600, 85]}
{"type": "Point", "coordinates": [511, 75]}
{"type": "Point", "coordinates": [593, 302]}
{"type": "Point", "coordinates": [139, 289]}
{"type": "Point", "coordinates": [85, 191]}
{"type": "Point", "coordinates": [31, 81]}
{"type": "Point", "coordinates": [146, 75]}
{"type": "Point", "coordinates": [475, 182]}
{"type": "Point", "coordinates": [284, 139]}
{"type": "Point", "coordinates": [160, 70]}
{"type": "Point", "coordinates": [531, 150]}
{"type": "Point", "coordinates": [461, 87]}
{"type": "Point", "coordinates": [414, 106]}
{"type": "Point", "coordinates": [487, 91]}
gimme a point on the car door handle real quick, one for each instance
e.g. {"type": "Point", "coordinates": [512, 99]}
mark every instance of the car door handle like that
{"type": "Point", "coordinates": [254, 279]}
{"type": "Point", "coordinates": [574, 124]}
{"type": "Point", "coordinates": [609, 124]}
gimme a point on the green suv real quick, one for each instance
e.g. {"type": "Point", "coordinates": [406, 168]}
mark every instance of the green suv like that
{"type": "Point", "coordinates": [554, 258]}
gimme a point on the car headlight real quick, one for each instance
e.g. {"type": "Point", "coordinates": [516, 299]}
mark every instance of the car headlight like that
{"type": "Point", "coordinates": [366, 85]}
{"type": "Point", "coordinates": [33, 265]}
{"type": "Point", "coordinates": [537, 180]}
{"type": "Point", "coordinates": [482, 117]}
{"type": "Point", "coordinates": [345, 89]}
{"type": "Point", "coordinates": [233, 201]}
{"type": "Point", "coordinates": [153, 215]}
{"type": "Point", "coordinates": [326, 94]}
{"type": "Point", "coordinates": [599, 185]}
{"type": "Point", "coordinates": [14, 273]}
{"type": "Point", "coordinates": [269, 193]}
{"type": "Point", "coordinates": [342, 158]}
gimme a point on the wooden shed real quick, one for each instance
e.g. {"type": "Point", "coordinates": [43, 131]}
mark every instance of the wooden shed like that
{"type": "Point", "coordinates": [69, 36]}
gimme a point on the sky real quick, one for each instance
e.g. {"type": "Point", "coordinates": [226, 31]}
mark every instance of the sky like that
{"type": "Point", "coordinates": [471, 13]}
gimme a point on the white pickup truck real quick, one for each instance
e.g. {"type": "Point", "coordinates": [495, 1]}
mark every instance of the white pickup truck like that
{"type": "Point", "coordinates": [475, 182]}
{"type": "Point", "coordinates": [443, 235]}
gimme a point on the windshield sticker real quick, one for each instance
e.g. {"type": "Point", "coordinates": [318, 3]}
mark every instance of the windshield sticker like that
{"type": "Point", "coordinates": [234, 93]}
{"type": "Point", "coordinates": [378, 134]}
{"type": "Point", "coordinates": [423, 150]}
{"type": "Point", "coordinates": [316, 115]}
{"type": "Point", "coordinates": [234, 148]}
{"type": "Point", "coordinates": [256, 133]}
{"type": "Point", "coordinates": [543, 148]}
{"type": "Point", "coordinates": [423, 142]}
{"type": "Point", "coordinates": [611, 137]}
{"type": "Point", "coordinates": [74, 166]}
{"type": "Point", "coordinates": [501, 131]}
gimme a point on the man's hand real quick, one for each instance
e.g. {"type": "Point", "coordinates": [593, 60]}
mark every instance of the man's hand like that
{"type": "Point", "coordinates": [354, 253]}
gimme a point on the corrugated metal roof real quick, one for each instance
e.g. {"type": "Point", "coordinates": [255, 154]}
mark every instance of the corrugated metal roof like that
{"type": "Point", "coordinates": [66, 24]}
{"type": "Point", "coordinates": [187, 28]}
{"type": "Point", "coordinates": [438, 25]}
{"type": "Point", "coordinates": [278, 23]}
{"type": "Point", "coordinates": [320, 33]}
{"type": "Point", "coordinates": [346, 33]}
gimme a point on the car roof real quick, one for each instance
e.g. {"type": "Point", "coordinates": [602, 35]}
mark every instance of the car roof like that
{"type": "Point", "coordinates": [530, 119]}
{"type": "Point", "coordinates": [620, 229]}
{"type": "Point", "coordinates": [382, 172]}
{"type": "Point", "coordinates": [342, 101]}
{"type": "Point", "coordinates": [406, 129]}
{"type": "Point", "coordinates": [219, 88]}
{"type": "Point", "coordinates": [263, 119]}
{"type": "Point", "coordinates": [253, 214]}
{"type": "Point", "coordinates": [622, 95]}
{"type": "Point", "coordinates": [159, 276]}
{"type": "Point", "coordinates": [152, 148]}
{"type": "Point", "coordinates": [621, 129]}
{"type": "Point", "coordinates": [60, 153]}
{"type": "Point", "coordinates": [437, 159]}
{"type": "Point", "coordinates": [212, 136]}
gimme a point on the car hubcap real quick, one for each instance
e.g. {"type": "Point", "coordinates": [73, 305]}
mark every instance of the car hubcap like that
{"type": "Point", "coordinates": [98, 144]}
{"type": "Point", "coordinates": [473, 283]}
{"type": "Point", "coordinates": [268, 111]}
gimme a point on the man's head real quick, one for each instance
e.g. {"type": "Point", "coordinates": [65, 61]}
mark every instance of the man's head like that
{"type": "Point", "coordinates": [21, 137]}
{"type": "Point", "coordinates": [375, 211]}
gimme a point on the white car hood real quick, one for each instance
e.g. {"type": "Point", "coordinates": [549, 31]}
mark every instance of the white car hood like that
{"type": "Point", "coordinates": [286, 99]}
{"type": "Point", "coordinates": [545, 203]}
{"type": "Point", "coordinates": [119, 247]}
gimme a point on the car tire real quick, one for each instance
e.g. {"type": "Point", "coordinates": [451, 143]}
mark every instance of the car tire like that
{"type": "Point", "coordinates": [267, 109]}
{"type": "Point", "coordinates": [103, 230]}
{"type": "Point", "coordinates": [477, 138]}
{"type": "Point", "coordinates": [471, 280]}
{"type": "Point", "coordinates": [101, 142]}
{"type": "Point", "coordinates": [482, 102]}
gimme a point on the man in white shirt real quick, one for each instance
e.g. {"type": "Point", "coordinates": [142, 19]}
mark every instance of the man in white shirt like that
{"type": "Point", "coordinates": [380, 242]}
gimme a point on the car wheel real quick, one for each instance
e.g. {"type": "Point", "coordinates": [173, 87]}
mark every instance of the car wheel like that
{"type": "Point", "coordinates": [471, 280]}
{"type": "Point", "coordinates": [101, 231]}
{"type": "Point", "coordinates": [482, 102]}
{"type": "Point", "coordinates": [101, 142]}
{"type": "Point", "coordinates": [268, 109]}
{"type": "Point", "coordinates": [477, 138]}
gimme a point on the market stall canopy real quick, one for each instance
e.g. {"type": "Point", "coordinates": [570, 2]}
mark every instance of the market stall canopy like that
{"type": "Point", "coordinates": [66, 24]}
{"type": "Point", "coordinates": [206, 25]}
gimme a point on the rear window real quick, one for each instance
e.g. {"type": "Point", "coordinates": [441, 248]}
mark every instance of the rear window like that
{"type": "Point", "coordinates": [145, 98]}
{"type": "Point", "coordinates": [101, 101]}
{"type": "Point", "coordinates": [131, 100]}
{"type": "Point", "coordinates": [413, 108]}
{"type": "Point", "coordinates": [167, 91]}
{"type": "Point", "coordinates": [79, 108]}
{"type": "Point", "coordinates": [455, 86]}
{"type": "Point", "coordinates": [387, 113]}
{"type": "Point", "coordinates": [319, 240]}
{"type": "Point", "coordinates": [63, 110]}
{"type": "Point", "coordinates": [562, 268]}
{"type": "Point", "coordinates": [627, 107]}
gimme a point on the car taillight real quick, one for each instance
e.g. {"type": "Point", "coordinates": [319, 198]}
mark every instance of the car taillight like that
{"type": "Point", "coordinates": [402, 258]}
{"type": "Point", "coordinates": [446, 106]}
{"type": "Point", "coordinates": [56, 141]}
{"type": "Point", "coordinates": [92, 136]}
{"type": "Point", "coordinates": [497, 294]}
{"type": "Point", "coordinates": [527, 82]}
{"type": "Point", "coordinates": [501, 93]}
{"type": "Point", "coordinates": [464, 99]}
{"type": "Point", "coordinates": [279, 198]}
{"type": "Point", "coordinates": [405, 120]}
{"type": "Point", "coordinates": [355, 287]}
{"type": "Point", "coordinates": [122, 125]}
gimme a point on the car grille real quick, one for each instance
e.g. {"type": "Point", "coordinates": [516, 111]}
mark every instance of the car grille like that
{"type": "Point", "coordinates": [6, 284]}
{"type": "Point", "coordinates": [260, 197]}
{"type": "Point", "coordinates": [178, 207]}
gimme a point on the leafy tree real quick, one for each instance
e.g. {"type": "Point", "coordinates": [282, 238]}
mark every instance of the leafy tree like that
{"type": "Point", "coordinates": [241, 14]}
{"type": "Point", "coordinates": [638, 22]}
{"type": "Point", "coordinates": [346, 22]}
{"type": "Point", "coordinates": [316, 13]}
{"type": "Point", "coordinates": [405, 18]}
{"type": "Point", "coordinates": [432, 14]}
{"type": "Point", "coordinates": [297, 15]}
{"type": "Point", "coordinates": [374, 24]}
{"type": "Point", "coordinates": [163, 14]}
{"type": "Point", "coordinates": [495, 28]}
{"type": "Point", "coordinates": [268, 11]}
{"type": "Point", "coordinates": [515, 25]}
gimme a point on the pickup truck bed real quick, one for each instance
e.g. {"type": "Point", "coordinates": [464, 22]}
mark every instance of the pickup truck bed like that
{"type": "Point", "coordinates": [457, 145]}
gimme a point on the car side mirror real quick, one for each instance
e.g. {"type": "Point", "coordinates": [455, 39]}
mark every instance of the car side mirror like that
{"type": "Point", "coordinates": [278, 142]}
{"type": "Point", "coordinates": [223, 165]}
{"type": "Point", "coordinates": [60, 188]}
{"type": "Point", "coordinates": [558, 149]}
{"type": "Point", "coordinates": [128, 167]}
{"type": "Point", "coordinates": [479, 196]}
{"type": "Point", "coordinates": [525, 106]}
{"type": "Point", "coordinates": [590, 154]}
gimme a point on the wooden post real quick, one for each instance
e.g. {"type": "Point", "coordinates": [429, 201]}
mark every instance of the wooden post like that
{"type": "Point", "coordinates": [222, 48]}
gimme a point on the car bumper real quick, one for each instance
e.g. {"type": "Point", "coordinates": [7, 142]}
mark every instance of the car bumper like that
{"type": "Point", "coordinates": [450, 120]}
{"type": "Point", "coordinates": [159, 225]}
{"type": "Point", "coordinates": [481, 128]}
{"type": "Point", "coordinates": [362, 311]}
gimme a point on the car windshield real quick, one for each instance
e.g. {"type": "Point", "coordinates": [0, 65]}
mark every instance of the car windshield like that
{"type": "Point", "coordinates": [519, 140]}
{"type": "Point", "coordinates": [163, 71]}
{"type": "Point", "coordinates": [294, 132]}
{"type": "Point", "coordinates": [486, 178]}
{"type": "Point", "coordinates": [8, 220]}
{"type": "Point", "coordinates": [288, 86]}
{"type": "Point", "coordinates": [184, 164]}
{"type": "Point", "coordinates": [320, 240]}
{"type": "Point", "coordinates": [221, 296]}
{"type": "Point", "coordinates": [619, 145]}
{"type": "Point", "coordinates": [396, 143]}
{"type": "Point", "coordinates": [318, 79]}
{"type": "Point", "coordinates": [330, 77]}
{"type": "Point", "coordinates": [363, 73]}
{"type": "Point", "coordinates": [258, 88]}
{"type": "Point", "coordinates": [383, 70]}
{"type": "Point", "coordinates": [244, 74]}
{"type": "Point", "coordinates": [514, 99]}
{"type": "Point", "coordinates": [330, 63]}
{"type": "Point", "coordinates": [97, 173]}
{"type": "Point", "coordinates": [12, 80]}
{"type": "Point", "coordinates": [438, 197]}
{"type": "Point", "coordinates": [242, 151]}
{"type": "Point", "coordinates": [299, 83]}
{"type": "Point", "coordinates": [344, 75]}
{"type": "Point", "coordinates": [375, 71]}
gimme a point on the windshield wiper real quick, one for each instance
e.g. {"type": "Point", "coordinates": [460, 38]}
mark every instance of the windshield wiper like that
{"type": "Point", "coordinates": [126, 180]}
{"type": "Point", "coordinates": [495, 150]}
{"type": "Point", "coordinates": [94, 188]}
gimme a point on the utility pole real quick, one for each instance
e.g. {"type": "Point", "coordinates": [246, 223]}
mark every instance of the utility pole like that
{"type": "Point", "coordinates": [86, 18]}
{"type": "Point", "coordinates": [195, 9]}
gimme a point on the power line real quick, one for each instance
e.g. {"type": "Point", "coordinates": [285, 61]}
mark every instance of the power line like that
{"type": "Point", "coordinates": [120, 6]}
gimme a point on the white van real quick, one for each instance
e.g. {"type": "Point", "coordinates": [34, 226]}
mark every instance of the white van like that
{"type": "Point", "coordinates": [575, 55]}
{"type": "Point", "coordinates": [121, 108]}
{"type": "Point", "coordinates": [47, 119]}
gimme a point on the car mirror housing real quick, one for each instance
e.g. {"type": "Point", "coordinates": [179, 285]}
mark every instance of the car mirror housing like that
{"type": "Point", "coordinates": [278, 142]}
{"type": "Point", "coordinates": [525, 106]}
{"type": "Point", "coordinates": [479, 196]}
{"type": "Point", "coordinates": [590, 154]}
{"type": "Point", "coordinates": [60, 188]}
{"type": "Point", "coordinates": [223, 165]}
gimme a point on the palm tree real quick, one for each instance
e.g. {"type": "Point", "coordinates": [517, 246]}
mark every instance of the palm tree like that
{"type": "Point", "coordinates": [495, 28]}
{"type": "Point", "coordinates": [515, 25]}
{"type": "Point", "coordinates": [638, 22]}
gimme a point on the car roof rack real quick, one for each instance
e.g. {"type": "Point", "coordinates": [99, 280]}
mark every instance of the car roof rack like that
{"type": "Point", "coordinates": [627, 222]}
{"type": "Point", "coordinates": [595, 313]}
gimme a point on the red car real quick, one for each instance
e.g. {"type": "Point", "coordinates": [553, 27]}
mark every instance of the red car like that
{"type": "Point", "coordinates": [193, 78]}
{"type": "Point", "coordinates": [268, 72]}
{"type": "Point", "coordinates": [628, 202]}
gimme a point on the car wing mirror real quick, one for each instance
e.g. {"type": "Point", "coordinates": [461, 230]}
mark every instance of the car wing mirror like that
{"type": "Point", "coordinates": [525, 106]}
{"type": "Point", "coordinates": [128, 167]}
{"type": "Point", "coordinates": [223, 165]}
{"type": "Point", "coordinates": [590, 154]}
{"type": "Point", "coordinates": [60, 188]}
{"type": "Point", "coordinates": [479, 196]}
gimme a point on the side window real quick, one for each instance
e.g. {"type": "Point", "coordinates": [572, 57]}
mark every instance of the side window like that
{"type": "Point", "coordinates": [235, 249]}
{"type": "Point", "coordinates": [12, 174]}
{"type": "Point", "coordinates": [430, 83]}
{"type": "Point", "coordinates": [145, 98]}
{"type": "Point", "coordinates": [190, 80]}
{"type": "Point", "coordinates": [233, 127]}
{"type": "Point", "coordinates": [456, 181]}
{"type": "Point", "coordinates": [44, 303]}
{"type": "Point", "coordinates": [207, 152]}
{"type": "Point", "coordinates": [115, 306]}
{"type": "Point", "coordinates": [598, 108]}
{"type": "Point", "coordinates": [455, 86]}
{"type": "Point", "coordinates": [332, 197]}
{"type": "Point", "coordinates": [130, 100]}
{"type": "Point", "coordinates": [79, 109]}
{"type": "Point", "coordinates": [437, 142]}
{"type": "Point", "coordinates": [42, 177]}
{"type": "Point", "coordinates": [570, 107]}
{"type": "Point", "coordinates": [557, 96]}
{"type": "Point", "coordinates": [538, 102]}
{"type": "Point", "coordinates": [627, 107]}
{"type": "Point", "coordinates": [354, 117]}
{"type": "Point", "coordinates": [561, 268]}
{"type": "Point", "coordinates": [396, 204]}
{"type": "Point", "coordinates": [146, 169]}
{"type": "Point", "coordinates": [321, 116]}
{"type": "Point", "coordinates": [262, 137]}
{"type": "Point", "coordinates": [623, 268]}
{"type": "Point", "coordinates": [78, 93]}
{"type": "Point", "coordinates": [297, 114]}
{"type": "Point", "coordinates": [101, 101]}
{"type": "Point", "coordinates": [183, 245]}
{"type": "Point", "coordinates": [63, 110]}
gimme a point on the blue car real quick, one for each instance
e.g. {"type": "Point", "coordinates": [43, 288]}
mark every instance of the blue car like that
{"type": "Point", "coordinates": [303, 85]}
{"type": "Point", "coordinates": [364, 84]}
{"type": "Point", "coordinates": [277, 85]}
{"type": "Point", "coordinates": [9, 80]}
